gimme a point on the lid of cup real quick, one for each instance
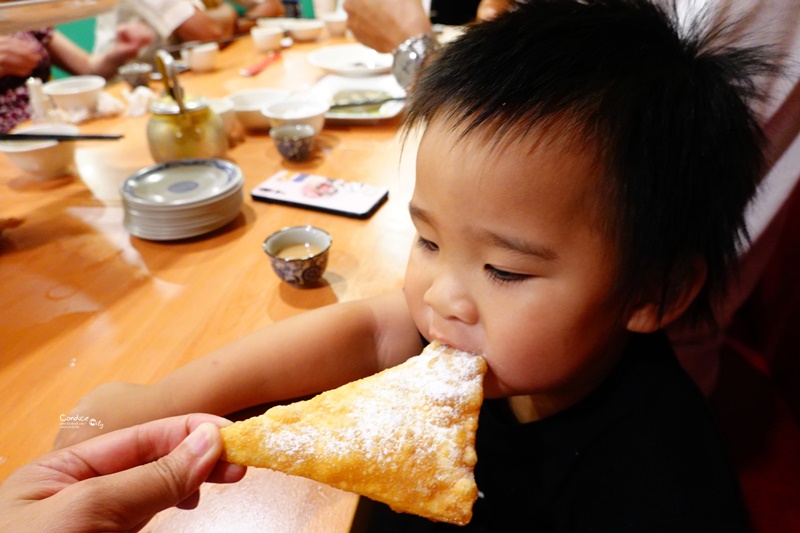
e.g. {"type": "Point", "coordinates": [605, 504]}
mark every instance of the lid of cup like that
{"type": "Point", "coordinates": [168, 106]}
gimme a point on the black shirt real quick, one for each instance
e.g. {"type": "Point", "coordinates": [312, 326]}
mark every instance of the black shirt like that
{"type": "Point", "coordinates": [641, 453]}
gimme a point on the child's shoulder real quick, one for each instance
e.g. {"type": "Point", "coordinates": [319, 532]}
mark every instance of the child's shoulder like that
{"type": "Point", "coordinates": [643, 450]}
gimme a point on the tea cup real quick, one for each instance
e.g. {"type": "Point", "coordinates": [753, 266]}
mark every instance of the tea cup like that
{"type": "Point", "coordinates": [299, 254]}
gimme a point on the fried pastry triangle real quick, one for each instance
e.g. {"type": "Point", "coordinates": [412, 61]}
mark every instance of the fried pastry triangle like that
{"type": "Point", "coordinates": [404, 436]}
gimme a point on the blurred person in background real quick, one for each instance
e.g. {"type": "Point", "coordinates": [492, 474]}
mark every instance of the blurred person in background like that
{"type": "Point", "coordinates": [32, 53]}
{"type": "Point", "coordinates": [172, 21]}
{"type": "Point", "coordinates": [251, 11]}
{"type": "Point", "coordinates": [385, 24]}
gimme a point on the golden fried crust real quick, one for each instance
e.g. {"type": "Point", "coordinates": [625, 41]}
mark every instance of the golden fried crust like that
{"type": "Point", "coordinates": [404, 436]}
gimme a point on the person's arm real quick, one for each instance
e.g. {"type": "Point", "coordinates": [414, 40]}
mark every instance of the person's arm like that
{"type": "Point", "coordinates": [18, 57]}
{"type": "Point", "coordinates": [119, 481]}
{"type": "Point", "coordinates": [305, 354]}
{"type": "Point", "coordinates": [385, 24]}
{"type": "Point", "coordinates": [208, 25]}
{"type": "Point", "coordinates": [69, 56]}
{"type": "Point", "coordinates": [257, 10]}
{"type": "Point", "coordinates": [490, 9]}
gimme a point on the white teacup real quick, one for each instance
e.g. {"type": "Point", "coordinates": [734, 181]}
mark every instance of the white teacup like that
{"type": "Point", "coordinates": [335, 23]}
{"type": "Point", "coordinates": [267, 38]}
{"type": "Point", "coordinates": [201, 58]}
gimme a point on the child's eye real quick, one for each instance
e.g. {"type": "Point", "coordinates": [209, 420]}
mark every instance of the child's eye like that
{"type": "Point", "coordinates": [425, 244]}
{"type": "Point", "coordinates": [502, 276]}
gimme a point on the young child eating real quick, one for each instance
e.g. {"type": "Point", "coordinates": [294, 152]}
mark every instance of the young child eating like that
{"type": "Point", "coordinates": [581, 182]}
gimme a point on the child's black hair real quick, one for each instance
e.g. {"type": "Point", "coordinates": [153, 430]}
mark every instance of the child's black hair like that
{"type": "Point", "coordinates": [667, 107]}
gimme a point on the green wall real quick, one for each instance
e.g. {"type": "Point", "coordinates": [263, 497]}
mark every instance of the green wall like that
{"type": "Point", "coordinates": [81, 32]}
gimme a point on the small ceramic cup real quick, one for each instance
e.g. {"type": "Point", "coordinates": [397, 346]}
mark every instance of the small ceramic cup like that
{"type": "Point", "coordinates": [299, 254]}
{"type": "Point", "coordinates": [136, 74]}
{"type": "Point", "coordinates": [267, 38]}
{"type": "Point", "coordinates": [294, 141]}
{"type": "Point", "coordinates": [335, 23]}
{"type": "Point", "coordinates": [201, 58]}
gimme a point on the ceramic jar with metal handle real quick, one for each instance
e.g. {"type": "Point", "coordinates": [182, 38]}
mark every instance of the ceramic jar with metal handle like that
{"type": "Point", "coordinates": [179, 128]}
{"type": "Point", "coordinates": [195, 132]}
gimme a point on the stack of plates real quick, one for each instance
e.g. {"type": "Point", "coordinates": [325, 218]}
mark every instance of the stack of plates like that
{"type": "Point", "coordinates": [181, 199]}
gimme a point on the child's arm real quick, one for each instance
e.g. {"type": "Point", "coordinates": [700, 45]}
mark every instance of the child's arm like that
{"type": "Point", "coordinates": [308, 353]}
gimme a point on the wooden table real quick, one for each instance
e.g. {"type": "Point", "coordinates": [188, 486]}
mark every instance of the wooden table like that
{"type": "Point", "coordinates": [83, 302]}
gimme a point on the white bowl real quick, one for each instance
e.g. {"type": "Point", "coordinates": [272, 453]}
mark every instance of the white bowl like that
{"type": "Point", "coordinates": [304, 29]}
{"type": "Point", "coordinates": [276, 22]}
{"type": "Point", "coordinates": [76, 93]}
{"type": "Point", "coordinates": [248, 104]}
{"type": "Point", "coordinates": [311, 112]}
{"type": "Point", "coordinates": [225, 109]}
{"type": "Point", "coordinates": [43, 159]}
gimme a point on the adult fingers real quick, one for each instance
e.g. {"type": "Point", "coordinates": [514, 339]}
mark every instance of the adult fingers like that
{"type": "Point", "coordinates": [131, 497]}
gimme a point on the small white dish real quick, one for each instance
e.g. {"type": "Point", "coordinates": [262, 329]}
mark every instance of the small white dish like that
{"type": "Point", "coordinates": [182, 199]}
{"type": "Point", "coordinates": [181, 182]}
{"type": "Point", "coordinates": [355, 60]}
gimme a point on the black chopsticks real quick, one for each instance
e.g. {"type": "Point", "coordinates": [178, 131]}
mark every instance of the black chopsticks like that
{"type": "Point", "coordinates": [56, 137]}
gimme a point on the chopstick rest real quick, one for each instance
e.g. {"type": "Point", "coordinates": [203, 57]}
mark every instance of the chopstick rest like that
{"type": "Point", "coordinates": [261, 65]}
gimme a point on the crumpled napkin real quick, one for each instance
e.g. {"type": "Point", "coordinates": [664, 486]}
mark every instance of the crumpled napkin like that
{"type": "Point", "coordinates": [107, 106]}
{"type": "Point", "coordinates": [138, 100]}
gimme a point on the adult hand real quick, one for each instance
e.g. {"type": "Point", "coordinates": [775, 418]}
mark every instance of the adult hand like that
{"type": "Point", "coordinates": [18, 57]}
{"type": "Point", "coordinates": [266, 9]}
{"type": "Point", "coordinates": [490, 9]}
{"type": "Point", "coordinates": [132, 37]}
{"type": "Point", "coordinates": [384, 24]}
{"type": "Point", "coordinates": [118, 481]}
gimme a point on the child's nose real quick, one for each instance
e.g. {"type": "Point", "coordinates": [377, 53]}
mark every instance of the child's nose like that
{"type": "Point", "coordinates": [449, 297]}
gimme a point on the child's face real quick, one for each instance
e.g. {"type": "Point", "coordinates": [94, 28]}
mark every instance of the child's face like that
{"type": "Point", "coordinates": [509, 263]}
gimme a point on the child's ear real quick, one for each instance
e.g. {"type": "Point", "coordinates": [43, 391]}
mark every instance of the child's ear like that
{"type": "Point", "coordinates": [645, 318]}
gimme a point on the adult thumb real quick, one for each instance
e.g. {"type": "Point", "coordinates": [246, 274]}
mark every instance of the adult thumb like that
{"type": "Point", "coordinates": [134, 496]}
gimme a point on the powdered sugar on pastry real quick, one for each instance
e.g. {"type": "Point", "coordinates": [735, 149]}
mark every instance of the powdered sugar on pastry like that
{"type": "Point", "coordinates": [405, 436]}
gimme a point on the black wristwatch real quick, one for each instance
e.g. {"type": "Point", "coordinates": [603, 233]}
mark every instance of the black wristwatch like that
{"type": "Point", "coordinates": [411, 55]}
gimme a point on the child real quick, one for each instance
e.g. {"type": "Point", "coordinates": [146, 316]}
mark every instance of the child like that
{"type": "Point", "coordinates": [581, 182]}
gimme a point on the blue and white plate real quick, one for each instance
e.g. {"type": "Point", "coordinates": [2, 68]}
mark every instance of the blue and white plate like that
{"type": "Point", "coordinates": [182, 182]}
{"type": "Point", "coordinates": [182, 199]}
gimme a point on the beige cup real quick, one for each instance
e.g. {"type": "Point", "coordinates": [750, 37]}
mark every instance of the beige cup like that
{"type": "Point", "coordinates": [266, 38]}
{"type": "Point", "coordinates": [335, 23]}
{"type": "Point", "coordinates": [201, 58]}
